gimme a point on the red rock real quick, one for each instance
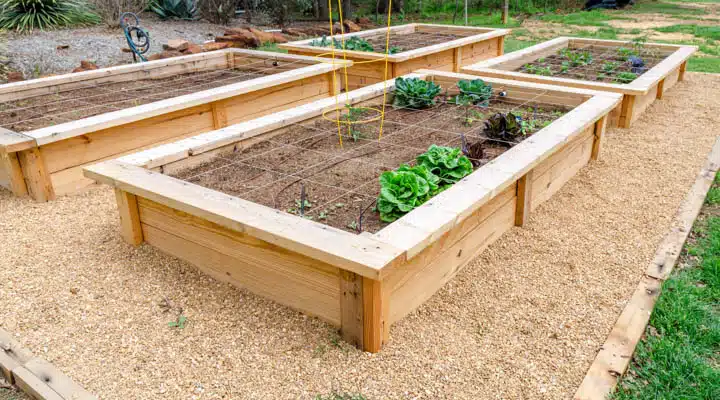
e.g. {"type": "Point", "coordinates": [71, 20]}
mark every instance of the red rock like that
{"type": "Point", "coordinates": [351, 26]}
{"type": "Point", "coordinates": [193, 49]}
{"type": "Point", "coordinates": [154, 57]}
{"type": "Point", "coordinates": [177, 44]}
{"type": "Point", "coordinates": [15, 76]}
{"type": "Point", "coordinates": [78, 69]}
{"type": "Point", "coordinates": [364, 21]}
{"type": "Point", "coordinates": [126, 50]}
{"type": "Point", "coordinates": [263, 37]}
{"type": "Point", "coordinates": [215, 46]}
{"type": "Point", "coordinates": [63, 47]}
{"type": "Point", "coordinates": [88, 65]}
{"type": "Point", "coordinates": [279, 38]}
{"type": "Point", "coordinates": [293, 32]}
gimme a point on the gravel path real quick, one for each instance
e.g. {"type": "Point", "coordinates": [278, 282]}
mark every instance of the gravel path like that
{"type": "Point", "coordinates": [37, 54]}
{"type": "Point", "coordinates": [524, 320]}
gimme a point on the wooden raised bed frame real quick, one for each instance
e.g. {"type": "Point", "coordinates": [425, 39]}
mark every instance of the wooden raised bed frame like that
{"type": "Point", "coordinates": [48, 161]}
{"type": "Point", "coordinates": [478, 44]}
{"type": "Point", "coordinates": [365, 282]}
{"type": "Point", "coordinates": [637, 95]}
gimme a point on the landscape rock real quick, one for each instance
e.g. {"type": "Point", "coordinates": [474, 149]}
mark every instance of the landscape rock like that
{"type": "Point", "coordinates": [15, 76]}
{"type": "Point", "coordinates": [293, 32]}
{"type": "Point", "coordinates": [263, 37]}
{"type": "Point", "coordinates": [177, 44]}
{"type": "Point", "coordinates": [88, 65]}
{"type": "Point", "coordinates": [63, 47]}
{"type": "Point", "coordinates": [215, 46]}
{"type": "Point", "coordinates": [351, 26]}
{"type": "Point", "coordinates": [193, 49]}
{"type": "Point", "coordinates": [279, 38]}
{"type": "Point", "coordinates": [164, 54]}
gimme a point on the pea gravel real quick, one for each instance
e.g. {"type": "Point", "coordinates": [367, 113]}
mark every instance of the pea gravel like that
{"type": "Point", "coordinates": [524, 320]}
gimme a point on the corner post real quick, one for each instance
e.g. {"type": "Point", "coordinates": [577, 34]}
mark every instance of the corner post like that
{"type": "Point", "coordinates": [130, 228]}
{"type": "Point", "coordinates": [501, 45]}
{"type": "Point", "coordinates": [10, 163]}
{"type": "Point", "coordinates": [600, 127]}
{"type": "Point", "coordinates": [522, 207]}
{"type": "Point", "coordinates": [36, 175]}
{"type": "Point", "coordinates": [628, 107]}
{"type": "Point", "coordinates": [681, 74]}
{"type": "Point", "coordinates": [660, 89]}
{"type": "Point", "coordinates": [457, 59]}
{"type": "Point", "coordinates": [363, 310]}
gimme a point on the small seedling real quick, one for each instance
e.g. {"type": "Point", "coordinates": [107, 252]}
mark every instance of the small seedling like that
{"type": "Point", "coordinates": [179, 322]}
{"type": "Point", "coordinates": [323, 214]}
{"type": "Point", "coordinates": [610, 66]}
{"type": "Point", "coordinates": [352, 225]}
{"type": "Point", "coordinates": [625, 77]}
{"type": "Point", "coordinates": [544, 71]}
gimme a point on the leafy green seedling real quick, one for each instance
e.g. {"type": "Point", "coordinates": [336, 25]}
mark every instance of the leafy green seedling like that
{"type": "Point", "coordinates": [179, 323]}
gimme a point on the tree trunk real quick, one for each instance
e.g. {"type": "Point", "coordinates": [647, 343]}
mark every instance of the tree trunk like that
{"type": "Point", "coordinates": [456, 10]}
{"type": "Point", "coordinates": [247, 4]}
{"type": "Point", "coordinates": [398, 5]}
{"type": "Point", "coordinates": [506, 9]}
{"type": "Point", "coordinates": [316, 9]}
{"type": "Point", "coordinates": [347, 9]}
{"type": "Point", "coordinates": [323, 12]}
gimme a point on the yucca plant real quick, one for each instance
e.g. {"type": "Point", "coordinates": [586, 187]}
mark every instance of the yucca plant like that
{"type": "Point", "coordinates": [27, 15]}
{"type": "Point", "coordinates": [182, 9]}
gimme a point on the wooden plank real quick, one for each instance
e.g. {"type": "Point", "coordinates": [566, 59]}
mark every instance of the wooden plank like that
{"type": "Point", "coordinates": [11, 141]}
{"type": "Point", "coordinates": [351, 308]}
{"type": "Point", "coordinates": [615, 355]}
{"type": "Point", "coordinates": [12, 355]}
{"type": "Point", "coordinates": [130, 228]}
{"type": "Point", "coordinates": [501, 46]}
{"type": "Point", "coordinates": [642, 102]}
{"type": "Point", "coordinates": [524, 199]}
{"type": "Point", "coordinates": [373, 321]}
{"type": "Point", "coordinates": [257, 266]}
{"type": "Point", "coordinates": [36, 175]}
{"type": "Point", "coordinates": [219, 115]}
{"type": "Point", "coordinates": [56, 380]}
{"type": "Point", "coordinates": [660, 89]}
{"type": "Point", "coordinates": [599, 134]}
{"type": "Point", "coordinates": [34, 386]}
{"type": "Point", "coordinates": [628, 110]}
{"type": "Point", "coordinates": [358, 254]}
{"type": "Point", "coordinates": [11, 175]}
{"type": "Point", "coordinates": [683, 67]}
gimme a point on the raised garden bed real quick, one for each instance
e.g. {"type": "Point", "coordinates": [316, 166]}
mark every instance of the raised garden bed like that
{"type": "Point", "coordinates": [413, 46]}
{"type": "Point", "coordinates": [51, 127]}
{"type": "Point", "coordinates": [278, 206]}
{"type": "Point", "coordinates": [641, 71]}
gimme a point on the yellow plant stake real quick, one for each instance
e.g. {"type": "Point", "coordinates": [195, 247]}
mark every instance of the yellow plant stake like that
{"type": "Point", "coordinates": [387, 55]}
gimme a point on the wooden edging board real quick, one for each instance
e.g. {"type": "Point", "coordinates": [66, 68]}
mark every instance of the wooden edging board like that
{"type": "Point", "coordinates": [46, 162]}
{"type": "Point", "coordinates": [369, 68]}
{"type": "Point", "coordinates": [637, 95]}
{"type": "Point", "coordinates": [361, 282]}
{"type": "Point", "coordinates": [36, 377]}
{"type": "Point", "coordinates": [616, 353]}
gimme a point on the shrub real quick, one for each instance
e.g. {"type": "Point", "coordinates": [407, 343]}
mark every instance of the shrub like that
{"type": "Point", "coordinates": [26, 15]}
{"type": "Point", "coordinates": [415, 93]}
{"type": "Point", "coordinates": [110, 10]}
{"type": "Point", "coordinates": [182, 9]}
{"type": "Point", "coordinates": [217, 11]}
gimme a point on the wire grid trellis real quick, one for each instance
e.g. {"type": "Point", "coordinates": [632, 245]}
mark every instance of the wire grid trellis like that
{"type": "Point", "coordinates": [75, 103]}
{"type": "Point", "coordinates": [428, 125]}
{"type": "Point", "coordinates": [600, 54]}
{"type": "Point", "coordinates": [406, 41]}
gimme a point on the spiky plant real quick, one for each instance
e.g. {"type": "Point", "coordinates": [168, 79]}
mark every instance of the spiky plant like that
{"type": "Point", "coordinates": [27, 15]}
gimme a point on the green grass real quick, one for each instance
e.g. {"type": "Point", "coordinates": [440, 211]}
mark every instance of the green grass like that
{"type": "Point", "coordinates": [514, 44]}
{"type": "Point", "coordinates": [490, 20]}
{"type": "Point", "coordinates": [704, 64]}
{"type": "Point", "coordinates": [701, 31]}
{"type": "Point", "coordinates": [650, 6]}
{"type": "Point", "coordinates": [273, 47]}
{"type": "Point", "coordinates": [587, 18]}
{"type": "Point", "coordinates": [679, 357]}
{"type": "Point", "coordinates": [602, 33]}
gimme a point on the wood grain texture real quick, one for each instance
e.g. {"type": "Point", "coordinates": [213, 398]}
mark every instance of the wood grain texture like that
{"type": "Point", "coordinates": [36, 175]}
{"type": "Point", "coordinates": [130, 229]}
{"type": "Point", "coordinates": [11, 176]}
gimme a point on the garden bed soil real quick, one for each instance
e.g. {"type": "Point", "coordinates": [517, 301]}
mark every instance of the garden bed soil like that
{"type": "Point", "coordinates": [95, 99]}
{"type": "Point", "coordinates": [595, 71]}
{"type": "Point", "coordinates": [341, 183]}
{"type": "Point", "coordinates": [411, 41]}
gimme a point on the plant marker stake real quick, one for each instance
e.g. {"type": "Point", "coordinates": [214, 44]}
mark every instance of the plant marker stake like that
{"type": "Point", "coordinates": [302, 199]}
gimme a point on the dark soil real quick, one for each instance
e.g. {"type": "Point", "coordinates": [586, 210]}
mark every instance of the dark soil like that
{"type": "Point", "coordinates": [411, 41]}
{"type": "Point", "coordinates": [341, 183]}
{"type": "Point", "coordinates": [72, 105]}
{"type": "Point", "coordinates": [608, 65]}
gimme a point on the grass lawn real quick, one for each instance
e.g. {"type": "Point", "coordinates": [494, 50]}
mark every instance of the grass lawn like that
{"type": "Point", "coordinates": [679, 357]}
